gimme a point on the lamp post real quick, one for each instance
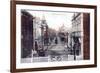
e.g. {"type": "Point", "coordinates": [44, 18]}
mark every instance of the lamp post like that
{"type": "Point", "coordinates": [74, 48]}
{"type": "Point", "coordinates": [47, 39]}
{"type": "Point", "coordinates": [42, 29]}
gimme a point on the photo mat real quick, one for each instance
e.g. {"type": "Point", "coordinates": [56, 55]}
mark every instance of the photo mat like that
{"type": "Point", "coordinates": [54, 31]}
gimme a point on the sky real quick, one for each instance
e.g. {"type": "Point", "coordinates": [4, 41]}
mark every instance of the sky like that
{"type": "Point", "coordinates": [54, 19]}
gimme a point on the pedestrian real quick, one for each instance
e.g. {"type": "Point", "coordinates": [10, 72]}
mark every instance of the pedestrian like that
{"type": "Point", "coordinates": [36, 46]}
{"type": "Point", "coordinates": [56, 41]}
{"type": "Point", "coordinates": [41, 52]}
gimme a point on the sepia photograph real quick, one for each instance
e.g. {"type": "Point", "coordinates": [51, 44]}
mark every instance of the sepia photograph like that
{"type": "Point", "coordinates": [49, 36]}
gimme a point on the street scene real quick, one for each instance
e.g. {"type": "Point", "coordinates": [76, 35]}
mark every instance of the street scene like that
{"type": "Point", "coordinates": [49, 36]}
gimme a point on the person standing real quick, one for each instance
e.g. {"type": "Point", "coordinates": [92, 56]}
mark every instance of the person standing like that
{"type": "Point", "coordinates": [56, 41]}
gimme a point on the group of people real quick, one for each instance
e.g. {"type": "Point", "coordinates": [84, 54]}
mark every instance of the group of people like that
{"type": "Point", "coordinates": [39, 51]}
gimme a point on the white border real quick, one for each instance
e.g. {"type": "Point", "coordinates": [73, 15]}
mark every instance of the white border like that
{"type": "Point", "coordinates": [20, 65]}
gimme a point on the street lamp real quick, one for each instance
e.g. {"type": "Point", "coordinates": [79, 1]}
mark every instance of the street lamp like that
{"type": "Point", "coordinates": [74, 48]}
{"type": "Point", "coordinates": [73, 45]}
{"type": "Point", "coordinates": [44, 29]}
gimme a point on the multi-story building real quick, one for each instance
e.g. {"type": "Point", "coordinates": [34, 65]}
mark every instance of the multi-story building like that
{"type": "Point", "coordinates": [80, 33]}
{"type": "Point", "coordinates": [40, 33]}
{"type": "Point", "coordinates": [34, 34]}
{"type": "Point", "coordinates": [26, 34]}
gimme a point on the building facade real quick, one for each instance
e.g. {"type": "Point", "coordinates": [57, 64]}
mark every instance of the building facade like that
{"type": "Point", "coordinates": [40, 31]}
{"type": "Point", "coordinates": [26, 34]}
{"type": "Point", "coordinates": [80, 21]}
